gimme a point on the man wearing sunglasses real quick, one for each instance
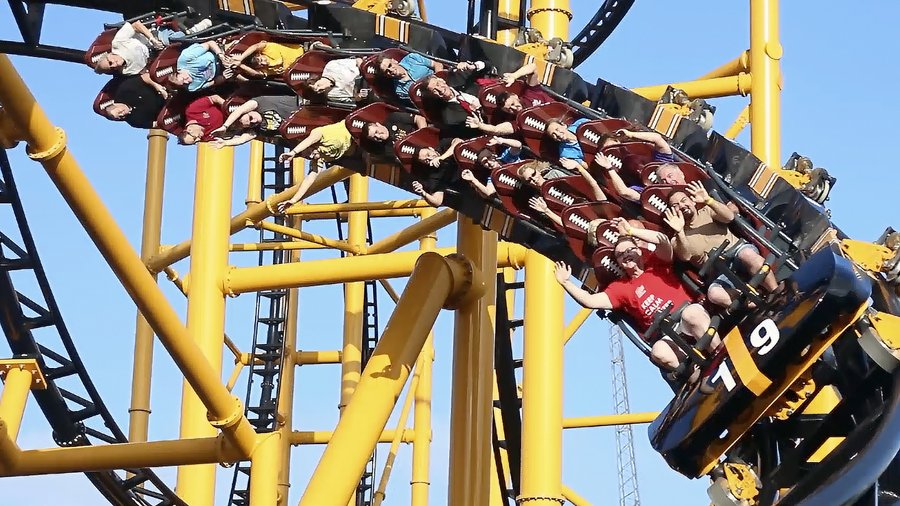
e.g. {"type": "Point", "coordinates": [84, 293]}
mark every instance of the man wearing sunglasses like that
{"type": "Point", "coordinates": [648, 285]}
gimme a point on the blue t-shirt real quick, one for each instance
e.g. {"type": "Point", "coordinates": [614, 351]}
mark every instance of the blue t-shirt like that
{"type": "Point", "coordinates": [572, 149]}
{"type": "Point", "coordinates": [663, 157]}
{"type": "Point", "coordinates": [417, 66]}
{"type": "Point", "coordinates": [200, 63]}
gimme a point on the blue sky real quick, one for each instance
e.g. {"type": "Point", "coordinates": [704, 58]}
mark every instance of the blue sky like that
{"type": "Point", "coordinates": [834, 62]}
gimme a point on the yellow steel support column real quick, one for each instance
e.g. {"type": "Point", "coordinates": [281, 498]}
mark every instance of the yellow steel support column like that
{"type": "Point", "coordinates": [473, 365]}
{"type": "Point", "coordinates": [739, 123]}
{"type": "Point", "coordinates": [576, 323]}
{"type": "Point", "coordinates": [429, 224]}
{"type": "Point", "coordinates": [542, 420]}
{"type": "Point", "coordinates": [354, 295]}
{"type": "Point", "coordinates": [551, 18]}
{"type": "Point", "coordinates": [255, 172]}
{"type": "Point", "coordinates": [380, 494]}
{"type": "Point", "coordinates": [47, 145]}
{"type": "Point", "coordinates": [740, 84]}
{"type": "Point", "coordinates": [206, 303]}
{"type": "Point", "coordinates": [265, 464]}
{"type": "Point", "coordinates": [765, 63]}
{"type": "Point", "coordinates": [288, 370]}
{"type": "Point", "coordinates": [609, 420]}
{"type": "Point", "coordinates": [17, 382]}
{"type": "Point", "coordinates": [139, 412]}
{"type": "Point", "coordinates": [421, 452]}
{"type": "Point", "coordinates": [734, 67]}
{"type": "Point", "coordinates": [436, 281]}
{"type": "Point", "coordinates": [508, 9]}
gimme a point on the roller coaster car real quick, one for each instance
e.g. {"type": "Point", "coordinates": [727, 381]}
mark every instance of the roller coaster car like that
{"type": "Point", "coordinates": [691, 172]}
{"type": "Point", "coordinates": [106, 97]}
{"type": "Point", "coordinates": [466, 154]}
{"type": "Point", "coordinates": [764, 355]}
{"type": "Point", "coordinates": [629, 158]}
{"type": "Point", "coordinates": [103, 43]}
{"type": "Point", "coordinates": [372, 113]}
{"type": "Point", "coordinates": [302, 122]}
{"type": "Point", "coordinates": [383, 86]}
{"type": "Point", "coordinates": [532, 123]}
{"type": "Point", "coordinates": [308, 66]}
{"type": "Point", "coordinates": [589, 134]}
{"type": "Point", "coordinates": [576, 220]}
{"type": "Point", "coordinates": [490, 109]}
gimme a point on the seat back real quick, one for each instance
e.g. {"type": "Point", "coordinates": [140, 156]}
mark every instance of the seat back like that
{"type": "Point", "coordinates": [164, 64]}
{"type": "Point", "coordinates": [562, 192]}
{"type": "Point", "coordinates": [691, 172]}
{"type": "Point", "coordinates": [407, 148]}
{"type": "Point", "coordinates": [466, 154]}
{"type": "Point", "coordinates": [589, 134]}
{"type": "Point", "coordinates": [532, 123]}
{"type": "Point", "coordinates": [654, 201]}
{"type": "Point", "coordinates": [302, 121]}
{"type": "Point", "coordinates": [514, 191]}
{"type": "Point", "coordinates": [606, 270]}
{"type": "Point", "coordinates": [308, 66]}
{"type": "Point", "coordinates": [382, 85]}
{"type": "Point", "coordinates": [630, 158]}
{"type": "Point", "coordinates": [100, 47]}
{"type": "Point", "coordinates": [576, 220]}
{"type": "Point", "coordinates": [490, 109]}
{"type": "Point", "coordinates": [106, 97]}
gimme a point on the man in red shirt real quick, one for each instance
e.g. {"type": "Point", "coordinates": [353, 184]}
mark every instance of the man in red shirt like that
{"type": "Point", "coordinates": [649, 285]}
{"type": "Point", "coordinates": [201, 117]}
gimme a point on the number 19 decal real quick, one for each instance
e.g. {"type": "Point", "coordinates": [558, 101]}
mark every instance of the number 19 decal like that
{"type": "Point", "coordinates": [763, 338]}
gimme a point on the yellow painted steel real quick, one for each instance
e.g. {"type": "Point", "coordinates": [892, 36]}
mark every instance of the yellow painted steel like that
{"type": "Point", "coordinates": [765, 62]}
{"type": "Point", "coordinates": [421, 451]}
{"type": "Point", "coordinates": [869, 256]}
{"type": "Point", "coordinates": [264, 465]}
{"type": "Point", "coordinates": [313, 238]}
{"type": "Point", "coordinates": [576, 323]}
{"type": "Point", "coordinates": [322, 272]}
{"type": "Point", "coordinates": [323, 437]}
{"type": "Point", "coordinates": [740, 122]}
{"type": "Point", "coordinates": [354, 295]}
{"type": "Point", "coordinates": [471, 401]}
{"type": "Point", "coordinates": [508, 9]}
{"type": "Point", "coordinates": [551, 18]}
{"type": "Point", "coordinates": [573, 497]}
{"type": "Point", "coordinates": [253, 214]}
{"type": "Point", "coordinates": [608, 420]}
{"type": "Point", "coordinates": [206, 303]}
{"type": "Point", "coordinates": [542, 420]}
{"type": "Point", "coordinates": [285, 399]}
{"type": "Point", "coordinates": [740, 84]}
{"type": "Point", "coordinates": [17, 382]}
{"type": "Point", "coordinates": [139, 411]}
{"type": "Point", "coordinates": [208, 450]}
{"type": "Point", "coordinates": [317, 357]}
{"type": "Point", "coordinates": [376, 213]}
{"type": "Point", "coordinates": [331, 209]}
{"type": "Point", "coordinates": [739, 65]}
{"type": "Point", "coordinates": [435, 282]}
{"type": "Point", "coordinates": [424, 227]}
{"type": "Point", "coordinates": [46, 145]}
{"type": "Point", "coordinates": [380, 493]}
{"type": "Point", "coordinates": [269, 246]}
{"type": "Point", "coordinates": [255, 172]}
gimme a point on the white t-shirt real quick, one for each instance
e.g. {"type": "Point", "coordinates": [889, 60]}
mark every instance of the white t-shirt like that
{"type": "Point", "coordinates": [135, 53]}
{"type": "Point", "coordinates": [343, 74]}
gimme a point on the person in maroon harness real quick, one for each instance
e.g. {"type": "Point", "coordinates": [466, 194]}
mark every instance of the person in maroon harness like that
{"type": "Point", "coordinates": [648, 285]}
{"type": "Point", "coordinates": [202, 116]}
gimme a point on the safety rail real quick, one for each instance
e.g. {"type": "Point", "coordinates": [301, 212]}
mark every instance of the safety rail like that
{"type": "Point", "coordinates": [267, 356]}
{"type": "Point", "coordinates": [70, 403]}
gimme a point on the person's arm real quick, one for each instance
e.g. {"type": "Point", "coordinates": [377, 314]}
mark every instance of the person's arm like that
{"type": "Point", "coordinates": [434, 199]}
{"type": "Point", "coordinates": [658, 141]}
{"type": "Point", "coordinates": [143, 30]}
{"type": "Point", "coordinates": [216, 100]}
{"type": "Point", "coordinates": [419, 121]}
{"type": "Point", "coordinates": [312, 139]}
{"type": "Point", "coordinates": [302, 189]}
{"type": "Point", "coordinates": [589, 300]}
{"type": "Point", "coordinates": [213, 46]}
{"type": "Point", "coordinates": [540, 205]}
{"type": "Point", "coordinates": [502, 129]}
{"type": "Point", "coordinates": [485, 190]}
{"type": "Point", "coordinates": [514, 145]}
{"type": "Point", "coordinates": [237, 140]}
{"type": "Point", "coordinates": [595, 187]}
{"type": "Point", "coordinates": [571, 164]}
{"type": "Point", "coordinates": [675, 220]}
{"type": "Point", "coordinates": [145, 77]}
{"type": "Point", "coordinates": [126, 32]}
{"type": "Point", "coordinates": [721, 212]}
{"type": "Point", "coordinates": [618, 185]}
{"type": "Point", "coordinates": [525, 70]}
{"type": "Point", "coordinates": [253, 49]}
{"type": "Point", "coordinates": [242, 109]}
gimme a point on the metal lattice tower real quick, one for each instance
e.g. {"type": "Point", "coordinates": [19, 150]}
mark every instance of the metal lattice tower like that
{"type": "Point", "coordinates": [625, 463]}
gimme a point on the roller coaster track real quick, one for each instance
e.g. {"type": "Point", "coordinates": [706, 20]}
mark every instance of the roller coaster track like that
{"type": "Point", "coordinates": [598, 29]}
{"type": "Point", "coordinates": [34, 328]}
